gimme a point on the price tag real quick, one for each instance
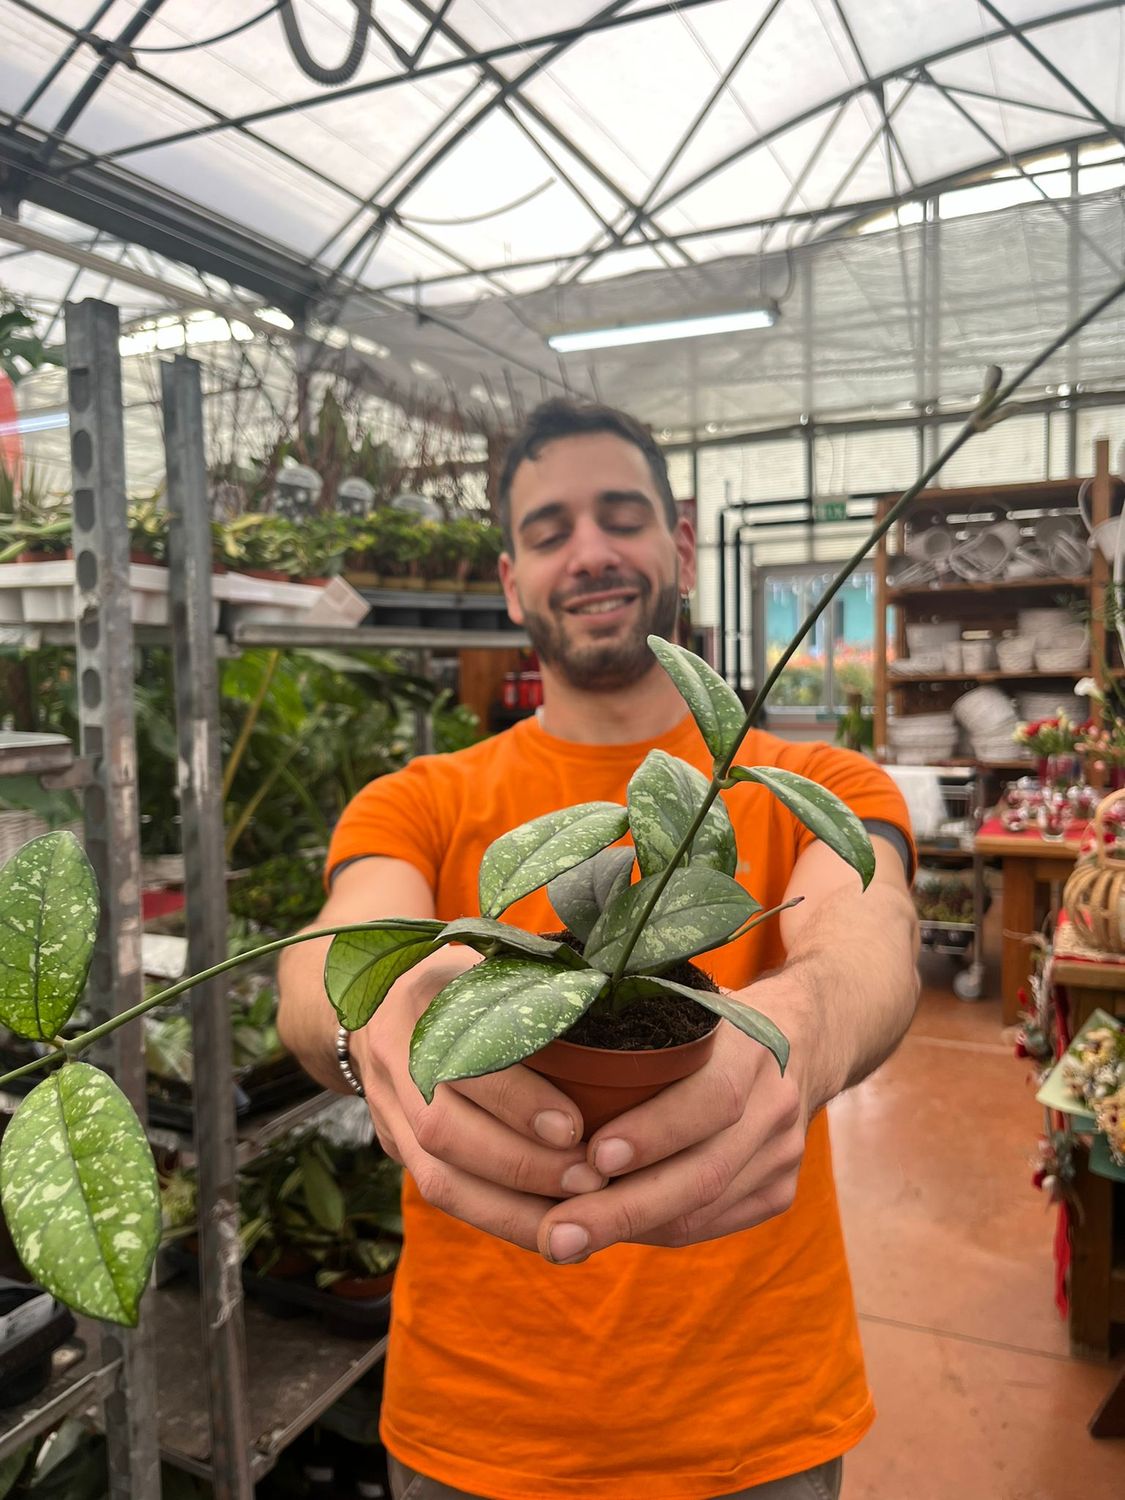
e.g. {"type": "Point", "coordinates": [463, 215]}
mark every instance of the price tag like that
{"type": "Point", "coordinates": [163, 956]}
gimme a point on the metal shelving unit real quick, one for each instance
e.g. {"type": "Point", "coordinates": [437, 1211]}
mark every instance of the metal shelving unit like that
{"type": "Point", "coordinates": [221, 1415]}
{"type": "Point", "coordinates": [77, 1384]}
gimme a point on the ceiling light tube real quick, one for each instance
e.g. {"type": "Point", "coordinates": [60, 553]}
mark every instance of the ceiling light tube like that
{"type": "Point", "coordinates": [764, 316]}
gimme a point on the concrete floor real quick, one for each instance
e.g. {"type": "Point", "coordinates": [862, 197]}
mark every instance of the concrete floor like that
{"type": "Point", "coordinates": [951, 1257]}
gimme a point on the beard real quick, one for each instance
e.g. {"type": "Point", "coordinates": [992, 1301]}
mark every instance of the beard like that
{"type": "Point", "coordinates": [620, 660]}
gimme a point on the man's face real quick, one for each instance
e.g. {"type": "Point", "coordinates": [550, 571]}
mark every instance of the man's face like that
{"type": "Point", "coordinates": [594, 568]}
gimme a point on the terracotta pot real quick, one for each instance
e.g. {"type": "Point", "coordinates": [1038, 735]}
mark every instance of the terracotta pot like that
{"type": "Point", "coordinates": [290, 1263]}
{"type": "Point", "coordinates": [362, 1287]}
{"type": "Point", "coordinates": [271, 575]}
{"type": "Point", "coordinates": [145, 558]}
{"type": "Point", "coordinates": [31, 556]}
{"type": "Point", "coordinates": [604, 1084]}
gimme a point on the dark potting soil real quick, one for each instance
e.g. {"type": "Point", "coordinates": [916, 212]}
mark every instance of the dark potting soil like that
{"type": "Point", "coordinates": [659, 1022]}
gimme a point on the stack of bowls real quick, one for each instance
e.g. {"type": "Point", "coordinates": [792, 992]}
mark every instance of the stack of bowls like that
{"type": "Point", "coordinates": [1036, 706]}
{"type": "Point", "coordinates": [989, 718]}
{"type": "Point", "coordinates": [921, 739]}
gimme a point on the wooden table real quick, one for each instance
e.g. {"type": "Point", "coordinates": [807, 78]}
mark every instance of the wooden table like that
{"type": "Point", "coordinates": [1029, 863]}
{"type": "Point", "coordinates": [1097, 1283]}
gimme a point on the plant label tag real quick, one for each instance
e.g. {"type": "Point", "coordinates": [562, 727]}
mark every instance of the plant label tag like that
{"type": "Point", "coordinates": [26, 1318]}
{"type": "Point", "coordinates": [163, 956]}
{"type": "Point", "coordinates": [339, 604]}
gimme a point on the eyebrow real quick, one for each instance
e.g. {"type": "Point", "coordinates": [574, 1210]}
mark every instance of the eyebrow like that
{"type": "Point", "coordinates": [555, 508]}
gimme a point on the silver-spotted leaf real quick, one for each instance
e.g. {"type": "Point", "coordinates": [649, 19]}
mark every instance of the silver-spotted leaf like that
{"type": "Point", "coordinates": [714, 705]}
{"type": "Point", "coordinates": [361, 967]}
{"type": "Point", "coordinates": [483, 933]}
{"type": "Point", "coordinates": [664, 796]}
{"type": "Point", "coordinates": [698, 909]}
{"type": "Point", "coordinates": [745, 1017]}
{"type": "Point", "coordinates": [521, 861]}
{"type": "Point", "coordinates": [579, 896]}
{"type": "Point", "coordinates": [79, 1192]}
{"type": "Point", "coordinates": [819, 810]}
{"type": "Point", "coordinates": [494, 1015]}
{"type": "Point", "coordinates": [48, 922]}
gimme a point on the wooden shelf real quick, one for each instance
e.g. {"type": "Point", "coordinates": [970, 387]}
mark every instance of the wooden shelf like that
{"type": "Point", "coordinates": [999, 585]}
{"type": "Point", "coordinates": [1042, 494]}
{"type": "Point", "coordinates": [895, 680]}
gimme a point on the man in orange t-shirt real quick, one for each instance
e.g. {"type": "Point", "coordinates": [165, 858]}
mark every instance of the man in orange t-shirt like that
{"type": "Point", "coordinates": [663, 1310]}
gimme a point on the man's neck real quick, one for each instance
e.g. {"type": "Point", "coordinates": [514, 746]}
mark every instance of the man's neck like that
{"type": "Point", "coordinates": [643, 711]}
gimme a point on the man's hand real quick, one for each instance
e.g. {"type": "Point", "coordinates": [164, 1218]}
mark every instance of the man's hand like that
{"type": "Point", "coordinates": [497, 1152]}
{"type": "Point", "coordinates": [715, 1153]}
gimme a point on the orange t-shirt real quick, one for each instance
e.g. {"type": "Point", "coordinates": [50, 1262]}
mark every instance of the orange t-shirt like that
{"type": "Point", "coordinates": [671, 1374]}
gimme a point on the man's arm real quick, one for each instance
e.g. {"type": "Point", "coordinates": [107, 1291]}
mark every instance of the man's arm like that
{"type": "Point", "coordinates": [850, 979]}
{"type": "Point", "coordinates": [721, 1151]}
{"type": "Point", "coordinates": [494, 1151]}
{"type": "Point", "coordinates": [362, 892]}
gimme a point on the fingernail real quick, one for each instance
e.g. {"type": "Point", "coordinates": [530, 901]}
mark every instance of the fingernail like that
{"type": "Point", "coordinates": [552, 1126]}
{"type": "Point", "coordinates": [581, 1178]}
{"type": "Point", "coordinates": [567, 1242]}
{"type": "Point", "coordinates": [612, 1156]}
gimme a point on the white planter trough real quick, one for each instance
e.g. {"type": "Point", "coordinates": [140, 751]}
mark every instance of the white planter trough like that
{"type": "Point", "coordinates": [48, 594]}
{"type": "Point", "coordinates": [266, 601]}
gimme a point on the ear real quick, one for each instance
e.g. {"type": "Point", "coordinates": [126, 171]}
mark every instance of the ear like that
{"type": "Point", "coordinates": [684, 537]}
{"type": "Point", "coordinates": [511, 593]}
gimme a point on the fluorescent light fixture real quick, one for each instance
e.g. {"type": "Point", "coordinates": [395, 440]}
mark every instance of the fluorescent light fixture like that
{"type": "Point", "coordinates": [764, 316]}
{"type": "Point", "coordinates": [35, 422]}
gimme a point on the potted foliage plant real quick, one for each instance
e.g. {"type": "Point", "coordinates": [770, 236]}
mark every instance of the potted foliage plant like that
{"type": "Point", "coordinates": [88, 1231]}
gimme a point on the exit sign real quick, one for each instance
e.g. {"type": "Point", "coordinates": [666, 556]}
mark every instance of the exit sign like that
{"type": "Point", "coordinates": [830, 510]}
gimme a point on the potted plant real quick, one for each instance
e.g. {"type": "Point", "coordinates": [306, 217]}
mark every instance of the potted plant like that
{"type": "Point", "coordinates": [148, 531]}
{"type": "Point", "coordinates": [310, 1207]}
{"type": "Point", "coordinates": [89, 1232]}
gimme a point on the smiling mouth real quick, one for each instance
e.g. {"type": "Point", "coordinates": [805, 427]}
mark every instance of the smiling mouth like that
{"type": "Point", "coordinates": [602, 604]}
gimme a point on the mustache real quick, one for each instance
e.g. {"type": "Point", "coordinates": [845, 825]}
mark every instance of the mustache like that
{"type": "Point", "coordinates": [637, 584]}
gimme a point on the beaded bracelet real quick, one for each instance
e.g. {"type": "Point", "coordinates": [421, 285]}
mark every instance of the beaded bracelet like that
{"type": "Point", "coordinates": [343, 1058]}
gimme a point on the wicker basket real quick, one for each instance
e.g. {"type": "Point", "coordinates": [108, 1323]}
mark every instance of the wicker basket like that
{"type": "Point", "coordinates": [1016, 653]}
{"type": "Point", "coordinates": [1094, 895]}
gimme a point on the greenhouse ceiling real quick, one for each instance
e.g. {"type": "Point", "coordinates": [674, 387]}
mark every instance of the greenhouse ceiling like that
{"type": "Point", "coordinates": [445, 187]}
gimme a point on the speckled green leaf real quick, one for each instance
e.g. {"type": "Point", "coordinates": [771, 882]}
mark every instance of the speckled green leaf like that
{"type": "Point", "coordinates": [361, 966]}
{"type": "Point", "coordinates": [698, 909]}
{"type": "Point", "coordinates": [482, 933]}
{"type": "Point", "coordinates": [521, 861]}
{"type": "Point", "coordinates": [714, 706]}
{"type": "Point", "coordinates": [80, 1194]}
{"type": "Point", "coordinates": [579, 896]}
{"type": "Point", "coordinates": [820, 810]}
{"type": "Point", "coordinates": [745, 1017]}
{"type": "Point", "coordinates": [48, 921]}
{"type": "Point", "coordinates": [664, 796]}
{"type": "Point", "coordinates": [495, 1015]}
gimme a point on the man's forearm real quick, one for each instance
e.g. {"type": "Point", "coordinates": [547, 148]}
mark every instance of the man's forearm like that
{"type": "Point", "coordinates": [306, 1021]}
{"type": "Point", "coordinates": [847, 991]}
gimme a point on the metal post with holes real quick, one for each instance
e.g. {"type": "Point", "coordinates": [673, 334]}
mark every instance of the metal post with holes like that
{"type": "Point", "coordinates": [104, 664]}
{"type": "Point", "coordinates": [201, 809]}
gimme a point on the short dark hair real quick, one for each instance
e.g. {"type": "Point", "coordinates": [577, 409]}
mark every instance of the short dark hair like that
{"type": "Point", "coordinates": [561, 418]}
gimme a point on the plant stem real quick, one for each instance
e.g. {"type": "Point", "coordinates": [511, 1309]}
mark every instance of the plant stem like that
{"type": "Point", "coordinates": [248, 723]}
{"type": "Point", "coordinates": [70, 1049]}
{"type": "Point", "coordinates": [988, 410]}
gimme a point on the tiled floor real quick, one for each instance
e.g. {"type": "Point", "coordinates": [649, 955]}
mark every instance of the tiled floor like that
{"type": "Point", "coordinates": [951, 1257]}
